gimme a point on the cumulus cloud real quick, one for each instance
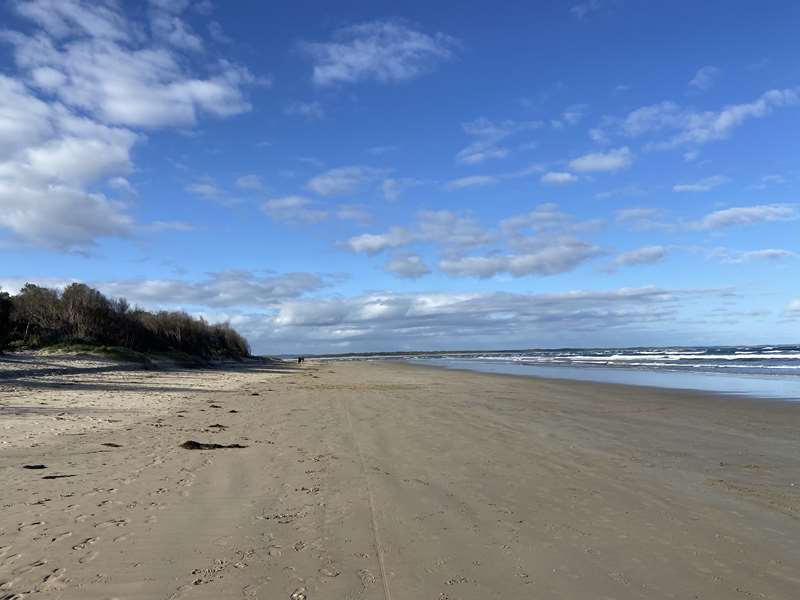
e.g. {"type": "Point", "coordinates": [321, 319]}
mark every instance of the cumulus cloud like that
{"type": "Point", "coordinates": [383, 51]}
{"type": "Point", "coordinates": [48, 156]}
{"type": "Point", "coordinates": [453, 232]}
{"type": "Point", "coordinates": [293, 209]}
{"type": "Point", "coordinates": [746, 215]}
{"type": "Point", "coordinates": [488, 135]}
{"type": "Point", "coordinates": [407, 265]}
{"type": "Point", "coordinates": [613, 160]}
{"type": "Point", "coordinates": [704, 78]}
{"type": "Point", "coordinates": [688, 126]}
{"type": "Point", "coordinates": [704, 185]}
{"type": "Point", "coordinates": [378, 321]}
{"type": "Point", "coordinates": [548, 257]}
{"type": "Point", "coordinates": [225, 289]}
{"type": "Point", "coordinates": [373, 243]}
{"type": "Point", "coordinates": [87, 75]}
{"type": "Point", "coordinates": [646, 255]}
{"type": "Point", "coordinates": [558, 178]}
{"type": "Point", "coordinates": [95, 62]}
{"type": "Point", "coordinates": [343, 180]}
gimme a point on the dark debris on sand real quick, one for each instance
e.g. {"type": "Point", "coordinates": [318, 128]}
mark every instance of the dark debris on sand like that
{"type": "Point", "coordinates": [193, 445]}
{"type": "Point", "coordinates": [34, 466]}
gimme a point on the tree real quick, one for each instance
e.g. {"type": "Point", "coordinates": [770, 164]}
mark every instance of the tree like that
{"type": "Point", "coordinates": [6, 307]}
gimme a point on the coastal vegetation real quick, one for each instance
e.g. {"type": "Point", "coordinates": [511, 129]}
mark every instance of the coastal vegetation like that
{"type": "Point", "coordinates": [81, 318]}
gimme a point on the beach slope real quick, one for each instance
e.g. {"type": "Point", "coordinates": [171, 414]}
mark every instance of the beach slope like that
{"type": "Point", "coordinates": [371, 480]}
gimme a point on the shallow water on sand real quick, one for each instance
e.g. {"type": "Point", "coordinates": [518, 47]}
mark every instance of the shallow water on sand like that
{"type": "Point", "coordinates": [768, 386]}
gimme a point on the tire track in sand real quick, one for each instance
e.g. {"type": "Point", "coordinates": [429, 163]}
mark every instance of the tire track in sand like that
{"type": "Point", "coordinates": [375, 532]}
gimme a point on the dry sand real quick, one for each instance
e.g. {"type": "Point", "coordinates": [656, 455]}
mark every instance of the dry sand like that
{"type": "Point", "coordinates": [380, 480]}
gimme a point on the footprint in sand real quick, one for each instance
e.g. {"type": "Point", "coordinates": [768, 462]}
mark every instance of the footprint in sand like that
{"type": "Point", "coordinates": [61, 536]}
{"type": "Point", "coordinates": [86, 542]}
{"type": "Point", "coordinates": [54, 581]}
{"type": "Point", "coordinates": [30, 567]}
{"type": "Point", "coordinates": [88, 557]}
{"type": "Point", "coordinates": [114, 523]}
{"type": "Point", "coordinates": [27, 526]}
{"type": "Point", "coordinates": [329, 571]}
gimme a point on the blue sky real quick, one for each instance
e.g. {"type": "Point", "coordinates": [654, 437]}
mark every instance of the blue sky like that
{"type": "Point", "coordinates": [371, 176]}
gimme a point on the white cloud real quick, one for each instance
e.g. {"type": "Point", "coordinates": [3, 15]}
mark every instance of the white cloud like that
{"type": "Point", "coordinates": [293, 209]}
{"type": "Point", "coordinates": [548, 257]}
{"type": "Point", "coordinates": [343, 180]}
{"type": "Point", "coordinates": [704, 78]}
{"type": "Point", "coordinates": [613, 160]}
{"type": "Point", "coordinates": [48, 156]}
{"type": "Point", "coordinates": [95, 61]}
{"type": "Point", "coordinates": [383, 51]}
{"type": "Point", "coordinates": [558, 178]}
{"type": "Point", "coordinates": [793, 307]}
{"type": "Point", "coordinates": [487, 136]}
{"type": "Point", "coordinates": [86, 73]}
{"type": "Point", "coordinates": [704, 185]}
{"type": "Point", "coordinates": [407, 265]}
{"type": "Point", "coordinates": [746, 215]}
{"type": "Point", "coordinates": [168, 27]}
{"type": "Point", "coordinates": [452, 231]}
{"type": "Point", "coordinates": [309, 110]}
{"type": "Point", "coordinates": [370, 243]}
{"type": "Point", "coordinates": [646, 255]}
{"type": "Point", "coordinates": [226, 289]}
{"type": "Point", "coordinates": [471, 181]}
{"type": "Point", "coordinates": [382, 320]}
{"type": "Point", "coordinates": [764, 255]}
{"type": "Point", "coordinates": [694, 127]}
{"type": "Point", "coordinates": [60, 217]}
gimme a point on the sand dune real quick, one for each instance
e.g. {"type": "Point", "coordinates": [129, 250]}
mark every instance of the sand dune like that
{"type": "Point", "coordinates": [378, 480]}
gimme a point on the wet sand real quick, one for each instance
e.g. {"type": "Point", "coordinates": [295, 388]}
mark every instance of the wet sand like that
{"type": "Point", "coordinates": [385, 480]}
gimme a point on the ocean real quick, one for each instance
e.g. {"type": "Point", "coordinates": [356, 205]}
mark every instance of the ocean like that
{"type": "Point", "coordinates": [757, 371]}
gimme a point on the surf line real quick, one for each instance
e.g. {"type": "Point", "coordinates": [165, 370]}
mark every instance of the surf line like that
{"type": "Point", "coordinates": [378, 546]}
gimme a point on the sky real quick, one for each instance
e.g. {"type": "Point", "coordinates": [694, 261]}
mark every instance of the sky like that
{"type": "Point", "coordinates": [367, 176]}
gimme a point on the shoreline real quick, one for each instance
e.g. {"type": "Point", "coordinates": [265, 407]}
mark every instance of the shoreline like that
{"type": "Point", "coordinates": [709, 394]}
{"type": "Point", "coordinates": [343, 480]}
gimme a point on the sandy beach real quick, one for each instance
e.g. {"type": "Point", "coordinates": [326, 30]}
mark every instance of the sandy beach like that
{"type": "Point", "coordinates": [371, 480]}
